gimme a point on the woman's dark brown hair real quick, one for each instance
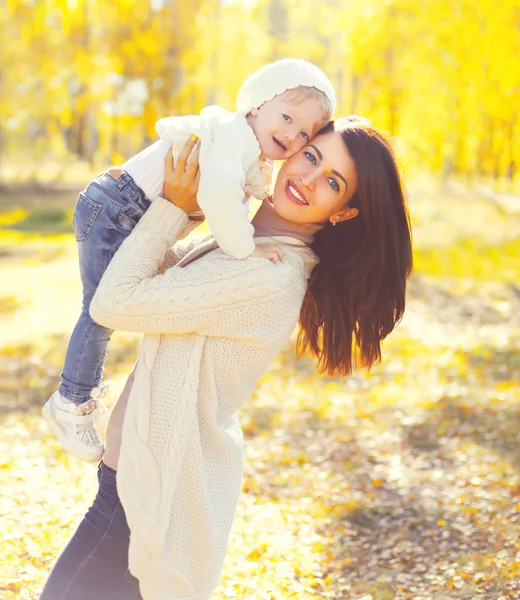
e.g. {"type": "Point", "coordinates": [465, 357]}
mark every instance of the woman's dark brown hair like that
{"type": "Point", "coordinates": [356, 294]}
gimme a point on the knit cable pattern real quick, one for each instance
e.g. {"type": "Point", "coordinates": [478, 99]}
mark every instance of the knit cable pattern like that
{"type": "Point", "coordinates": [132, 297]}
{"type": "Point", "coordinates": [221, 323]}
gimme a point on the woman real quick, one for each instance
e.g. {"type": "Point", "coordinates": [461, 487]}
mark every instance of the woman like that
{"type": "Point", "coordinates": [339, 216]}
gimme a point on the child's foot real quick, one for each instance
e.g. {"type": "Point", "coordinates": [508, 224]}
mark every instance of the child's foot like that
{"type": "Point", "coordinates": [75, 426]}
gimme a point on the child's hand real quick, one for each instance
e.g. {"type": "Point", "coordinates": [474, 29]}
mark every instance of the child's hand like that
{"type": "Point", "coordinates": [269, 251]}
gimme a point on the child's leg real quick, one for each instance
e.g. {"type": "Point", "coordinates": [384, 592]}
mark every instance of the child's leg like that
{"type": "Point", "coordinates": [105, 214]}
{"type": "Point", "coordinates": [87, 345]}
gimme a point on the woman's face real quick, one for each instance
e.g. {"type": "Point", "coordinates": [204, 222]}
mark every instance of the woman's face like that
{"type": "Point", "coordinates": [315, 185]}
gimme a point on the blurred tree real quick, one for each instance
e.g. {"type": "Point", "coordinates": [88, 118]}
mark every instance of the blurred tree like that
{"type": "Point", "coordinates": [89, 78]}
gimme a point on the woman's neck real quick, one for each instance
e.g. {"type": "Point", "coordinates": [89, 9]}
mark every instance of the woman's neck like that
{"type": "Point", "coordinates": [267, 222]}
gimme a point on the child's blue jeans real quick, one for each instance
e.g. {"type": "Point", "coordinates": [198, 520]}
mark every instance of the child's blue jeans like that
{"type": "Point", "coordinates": [105, 214]}
{"type": "Point", "coordinates": [94, 564]}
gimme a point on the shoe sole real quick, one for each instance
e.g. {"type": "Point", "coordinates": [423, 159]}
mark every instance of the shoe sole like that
{"type": "Point", "coordinates": [67, 446]}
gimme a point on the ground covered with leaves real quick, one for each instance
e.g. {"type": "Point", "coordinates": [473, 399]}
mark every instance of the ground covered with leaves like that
{"type": "Point", "coordinates": [400, 484]}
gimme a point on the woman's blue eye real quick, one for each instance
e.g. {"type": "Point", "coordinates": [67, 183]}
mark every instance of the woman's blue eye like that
{"type": "Point", "coordinates": [286, 117]}
{"type": "Point", "coordinates": [305, 135]}
{"type": "Point", "coordinates": [310, 157]}
{"type": "Point", "coordinates": [334, 184]}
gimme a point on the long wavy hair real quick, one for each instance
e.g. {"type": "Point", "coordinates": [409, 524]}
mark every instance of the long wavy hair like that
{"type": "Point", "coordinates": [356, 294]}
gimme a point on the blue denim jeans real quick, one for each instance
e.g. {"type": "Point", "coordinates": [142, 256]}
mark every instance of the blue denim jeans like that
{"type": "Point", "coordinates": [94, 564]}
{"type": "Point", "coordinates": [105, 214]}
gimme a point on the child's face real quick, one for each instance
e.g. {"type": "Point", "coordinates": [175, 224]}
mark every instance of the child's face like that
{"type": "Point", "coordinates": [282, 128]}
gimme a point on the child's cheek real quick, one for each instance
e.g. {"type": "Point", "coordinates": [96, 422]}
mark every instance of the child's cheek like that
{"type": "Point", "coordinates": [301, 144]}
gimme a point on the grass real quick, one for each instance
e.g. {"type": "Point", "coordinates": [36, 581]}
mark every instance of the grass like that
{"type": "Point", "coordinates": [400, 484]}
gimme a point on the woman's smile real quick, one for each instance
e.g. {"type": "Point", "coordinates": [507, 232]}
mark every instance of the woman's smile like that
{"type": "Point", "coordinates": [294, 193]}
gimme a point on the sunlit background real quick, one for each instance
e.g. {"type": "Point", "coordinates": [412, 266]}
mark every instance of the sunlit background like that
{"type": "Point", "coordinates": [401, 484]}
{"type": "Point", "coordinates": [88, 78]}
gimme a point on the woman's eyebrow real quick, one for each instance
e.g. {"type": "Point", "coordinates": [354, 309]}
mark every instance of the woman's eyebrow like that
{"type": "Point", "coordinates": [320, 156]}
{"type": "Point", "coordinates": [341, 177]}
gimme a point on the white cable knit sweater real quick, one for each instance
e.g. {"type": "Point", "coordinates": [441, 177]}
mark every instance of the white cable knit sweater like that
{"type": "Point", "coordinates": [212, 327]}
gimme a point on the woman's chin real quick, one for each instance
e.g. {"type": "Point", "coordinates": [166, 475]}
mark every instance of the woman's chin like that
{"type": "Point", "coordinates": [287, 210]}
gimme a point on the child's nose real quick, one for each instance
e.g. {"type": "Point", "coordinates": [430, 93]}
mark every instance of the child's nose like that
{"type": "Point", "coordinates": [291, 133]}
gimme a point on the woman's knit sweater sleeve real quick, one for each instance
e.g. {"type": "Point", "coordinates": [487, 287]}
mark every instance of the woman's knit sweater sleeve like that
{"type": "Point", "coordinates": [198, 298]}
{"type": "Point", "coordinates": [180, 249]}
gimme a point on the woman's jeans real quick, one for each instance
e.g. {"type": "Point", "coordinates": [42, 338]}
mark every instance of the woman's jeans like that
{"type": "Point", "coordinates": [94, 564]}
{"type": "Point", "coordinates": [105, 214]}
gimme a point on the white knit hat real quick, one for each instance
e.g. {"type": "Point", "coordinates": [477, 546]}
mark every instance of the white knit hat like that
{"type": "Point", "coordinates": [277, 77]}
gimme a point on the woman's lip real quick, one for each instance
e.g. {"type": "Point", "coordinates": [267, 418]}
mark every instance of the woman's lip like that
{"type": "Point", "coordinates": [291, 196]}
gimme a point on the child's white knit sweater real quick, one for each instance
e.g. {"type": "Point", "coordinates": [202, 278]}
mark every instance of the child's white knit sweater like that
{"type": "Point", "coordinates": [213, 326]}
{"type": "Point", "coordinates": [230, 166]}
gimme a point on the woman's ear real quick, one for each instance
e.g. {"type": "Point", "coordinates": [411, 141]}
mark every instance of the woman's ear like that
{"type": "Point", "coordinates": [344, 215]}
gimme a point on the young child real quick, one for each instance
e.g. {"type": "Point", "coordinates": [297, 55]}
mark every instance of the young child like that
{"type": "Point", "coordinates": [279, 109]}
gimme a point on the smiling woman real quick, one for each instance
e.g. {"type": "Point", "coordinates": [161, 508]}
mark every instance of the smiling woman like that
{"type": "Point", "coordinates": [174, 442]}
{"type": "Point", "coordinates": [320, 179]}
{"type": "Point", "coordinates": [356, 294]}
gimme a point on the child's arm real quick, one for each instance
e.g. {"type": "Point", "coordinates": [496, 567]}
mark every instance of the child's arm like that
{"type": "Point", "coordinates": [221, 192]}
{"type": "Point", "coordinates": [221, 199]}
{"type": "Point", "coordinates": [177, 128]}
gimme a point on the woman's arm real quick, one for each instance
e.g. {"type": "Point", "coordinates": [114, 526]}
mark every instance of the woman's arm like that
{"type": "Point", "coordinates": [175, 254]}
{"type": "Point", "coordinates": [180, 187]}
{"type": "Point", "coordinates": [207, 296]}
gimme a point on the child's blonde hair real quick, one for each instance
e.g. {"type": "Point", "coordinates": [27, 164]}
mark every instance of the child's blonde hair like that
{"type": "Point", "coordinates": [302, 92]}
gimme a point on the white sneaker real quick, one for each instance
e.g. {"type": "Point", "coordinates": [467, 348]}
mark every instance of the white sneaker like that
{"type": "Point", "coordinates": [75, 426]}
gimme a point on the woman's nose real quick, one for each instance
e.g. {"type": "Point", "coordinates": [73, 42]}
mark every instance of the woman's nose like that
{"type": "Point", "coordinates": [309, 181]}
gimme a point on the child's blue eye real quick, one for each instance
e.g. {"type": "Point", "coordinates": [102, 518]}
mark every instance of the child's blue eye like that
{"type": "Point", "coordinates": [334, 184]}
{"type": "Point", "coordinates": [305, 135]}
{"type": "Point", "coordinates": [286, 117]}
{"type": "Point", "coordinates": [310, 157]}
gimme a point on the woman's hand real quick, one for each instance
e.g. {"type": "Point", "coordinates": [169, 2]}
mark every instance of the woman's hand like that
{"type": "Point", "coordinates": [181, 180]}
